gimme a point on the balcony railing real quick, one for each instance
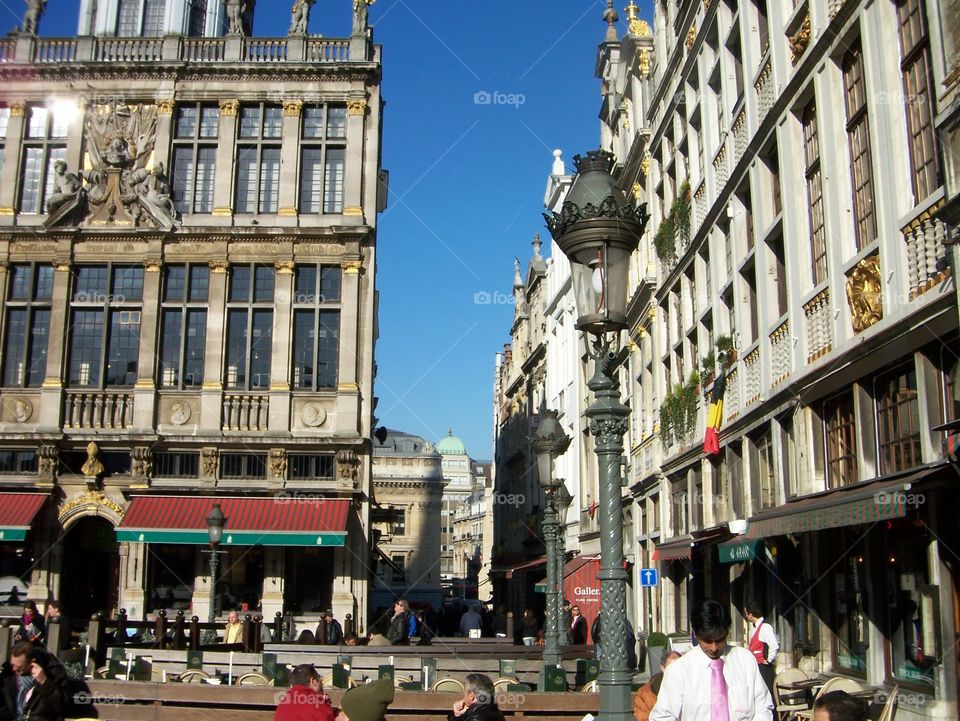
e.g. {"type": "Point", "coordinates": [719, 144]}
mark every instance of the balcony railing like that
{"type": "Point", "coordinates": [780, 353]}
{"type": "Point", "coordinates": [100, 410]}
{"type": "Point", "coordinates": [8, 48]}
{"type": "Point", "coordinates": [739, 132]}
{"type": "Point", "coordinates": [127, 50]}
{"type": "Point", "coordinates": [245, 412]}
{"type": "Point", "coordinates": [699, 208]}
{"type": "Point", "coordinates": [819, 325]}
{"type": "Point", "coordinates": [926, 252]}
{"type": "Point", "coordinates": [56, 50]}
{"type": "Point", "coordinates": [265, 50]}
{"type": "Point", "coordinates": [765, 91]}
{"type": "Point", "coordinates": [327, 51]}
{"type": "Point", "coordinates": [204, 50]}
{"type": "Point", "coordinates": [751, 365]}
{"type": "Point", "coordinates": [721, 167]}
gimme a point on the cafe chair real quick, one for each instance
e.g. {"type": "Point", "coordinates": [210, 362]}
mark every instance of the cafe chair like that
{"type": "Point", "coordinates": [838, 683]}
{"type": "Point", "coordinates": [194, 676]}
{"type": "Point", "coordinates": [252, 678]}
{"type": "Point", "coordinates": [328, 681]}
{"type": "Point", "coordinates": [591, 687]}
{"type": "Point", "coordinates": [448, 685]}
{"type": "Point", "coordinates": [502, 685]}
{"type": "Point", "coordinates": [787, 701]}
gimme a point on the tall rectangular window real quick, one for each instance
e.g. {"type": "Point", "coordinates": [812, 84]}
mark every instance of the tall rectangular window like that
{"type": "Point", "coordinates": [898, 419]}
{"type": "Point", "coordinates": [154, 14]}
{"type": "Point", "coordinates": [105, 326]}
{"type": "Point", "coordinates": [858, 139]}
{"type": "Point", "coordinates": [840, 429]}
{"type": "Point", "coordinates": [249, 326]}
{"type": "Point", "coordinates": [915, 68]}
{"type": "Point", "coordinates": [183, 327]}
{"type": "Point", "coordinates": [44, 145]}
{"type": "Point", "coordinates": [198, 18]}
{"type": "Point", "coordinates": [27, 325]}
{"type": "Point", "coordinates": [195, 157]}
{"type": "Point", "coordinates": [316, 327]}
{"type": "Point", "coordinates": [4, 122]}
{"type": "Point", "coordinates": [763, 472]}
{"type": "Point", "coordinates": [811, 158]}
{"type": "Point", "coordinates": [128, 19]}
{"type": "Point", "coordinates": [322, 159]}
{"type": "Point", "coordinates": [258, 159]}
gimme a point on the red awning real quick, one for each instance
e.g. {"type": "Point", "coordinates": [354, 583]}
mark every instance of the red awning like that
{"type": "Point", "coordinates": [17, 511]}
{"type": "Point", "coordinates": [277, 521]}
{"type": "Point", "coordinates": [952, 447]}
{"type": "Point", "coordinates": [526, 566]}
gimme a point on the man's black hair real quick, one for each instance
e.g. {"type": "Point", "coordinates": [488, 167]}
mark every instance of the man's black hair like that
{"type": "Point", "coordinates": [710, 620]}
{"type": "Point", "coordinates": [754, 608]}
{"type": "Point", "coordinates": [303, 674]}
{"type": "Point", "coordinates": [841, 706]}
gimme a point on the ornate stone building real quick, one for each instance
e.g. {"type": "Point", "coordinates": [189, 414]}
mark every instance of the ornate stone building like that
{"type": "Point", "coordinates": [188, 246]}
{"type": "Point", "coordinates": [408, 487]}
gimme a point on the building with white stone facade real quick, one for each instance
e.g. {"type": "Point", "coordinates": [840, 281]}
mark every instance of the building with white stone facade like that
{"type": "Point", "coordinates": [188, 243]}
{"type": "Point", "coordinates": [408, 488]}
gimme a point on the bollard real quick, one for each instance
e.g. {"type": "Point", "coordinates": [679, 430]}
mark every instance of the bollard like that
{"type": "Point", "coordinates": [510, 626]}
{"type": "Point", "coordinates": [7, 633]}
{"type": "Point", "coordinates": [194, 633]}
{"type": "Point", "coordinates": [160, 629]}
{"type": "Point", "coordinates": [120, 635]}
{"type": "Point", "coordinates": [278, 628]}
{"type": "Point", "coordinates": [179, 634]}
{"type": "Point", "coordinates": [96, 638]}
{"type": "Point", "coordinates": [348, 625]}
{"type": "Point", "coordinates": [246, 637]}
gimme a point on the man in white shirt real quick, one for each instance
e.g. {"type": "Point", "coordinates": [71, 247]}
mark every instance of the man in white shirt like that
{"type": "Point", "coordinates": [763, 642]}
{"type": "Point", "coordinates": [713, 681]}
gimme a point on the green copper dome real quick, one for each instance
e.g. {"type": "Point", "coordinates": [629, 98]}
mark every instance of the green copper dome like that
{"type": "Point", "coordinates": [451, 446]}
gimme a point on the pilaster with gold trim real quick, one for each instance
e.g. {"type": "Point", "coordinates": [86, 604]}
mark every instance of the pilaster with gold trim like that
{"type": "Point", "coordinates": [211, 403]}
{"type": "Point", "coordinates": [144, 391]}
{"type": "Point", "coordinates": [289, 150]}
{"type": "Point", "coordinates": [279, 417]}
{"type": "Point", "coordinates": [11, 151]}
{"type": "Point", "coordinates": [353, 175]}
{"type": "Point", "coordinates": [348, 361]}
{"type": "Point", "coordinates": [161, 150]}
{"type": "Point", "coordinates": [227, 140]}
{"type": "Point", "coordinates": [51, 393]}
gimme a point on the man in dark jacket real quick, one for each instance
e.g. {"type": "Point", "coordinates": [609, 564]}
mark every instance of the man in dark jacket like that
{"type": "Point", "coordinates": [32, 684]}
{"type": "Point", "coordinates": [478, 702]}
{"type": "Point", "coordinates": [578, 627]}
{"type": "Point", "coordinates": [399, 631]}
{"type": "Point", "coordinates": [334, 635]}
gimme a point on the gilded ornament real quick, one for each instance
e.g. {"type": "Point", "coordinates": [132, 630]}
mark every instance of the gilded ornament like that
{"type": "Point", "coordinates": [284, 267]}
{"type": "Point", "coordinates": [93, 467]}
{"type": "Point", "coordinates": [229, 108]}
{"type": "Point", "coordinates": [292, 108]}
{"type": "Point", "coordinates": [209, 460]}
{"type": "Point", "coordinates": [356, 107]}
{"type": "Point", "coordinates": [637, 191]}
{"type": "Point", "coordinates": [17, 110]}
{"type": "Point", "coordinates": [278, 462]}
{"type": "Point", "coordinates": [645, 164]}
{"type": "Point", "coordinates": [800, 40]}
{"type": "Point", "coordinates": [691, 37]}
{"type": "Point", "coordinates": [92, 498]}
{"type": "Point", "coordinates": [864, 294]}
{"type": "Point", "coordinates": [219, 266]}
{"type": "Point", "coordinates": [165, 106]}
{"type": "Point", "coordinates": [643, 62]}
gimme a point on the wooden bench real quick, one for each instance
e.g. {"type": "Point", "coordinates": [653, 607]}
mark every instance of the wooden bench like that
{"type": "Point", "coordinates": [132, 701]}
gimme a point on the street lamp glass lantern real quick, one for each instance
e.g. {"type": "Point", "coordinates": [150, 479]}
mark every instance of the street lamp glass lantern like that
{"type": "Point", "coordinates": [598, 229]}
{"type": "Point", "coordinates": [549, 442]}
{"type": "Point", "coordinates": [215, 523]}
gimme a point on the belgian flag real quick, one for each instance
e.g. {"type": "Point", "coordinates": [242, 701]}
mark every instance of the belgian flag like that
{"type": "Point", "coordinates": [711, 438]}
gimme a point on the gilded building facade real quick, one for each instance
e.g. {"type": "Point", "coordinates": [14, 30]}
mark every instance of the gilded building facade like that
{"type": "Point", "coordinates": [187, 233]}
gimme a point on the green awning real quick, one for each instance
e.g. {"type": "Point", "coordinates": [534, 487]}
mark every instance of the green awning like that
{"type": "Point", "coordinates": [852, 506]}
{"type": "Point", "coordinates": [739, 551]}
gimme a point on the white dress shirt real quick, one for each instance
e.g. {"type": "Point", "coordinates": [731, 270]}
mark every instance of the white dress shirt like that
{"type": "Point", "coordinates": [686, 690]}
{"type": "Point", "coordinates": [769, 637]}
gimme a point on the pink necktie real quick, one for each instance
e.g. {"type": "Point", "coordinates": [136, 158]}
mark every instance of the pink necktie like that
{"type": "Point", "coordinates": [719, 709]}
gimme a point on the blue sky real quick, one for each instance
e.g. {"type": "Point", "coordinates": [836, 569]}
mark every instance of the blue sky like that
{"type": "Point", "coordinates": [466, 178]}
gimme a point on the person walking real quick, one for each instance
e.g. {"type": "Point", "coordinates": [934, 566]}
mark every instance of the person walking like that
{"type": "Point", "coordinates": [578, 627]}
{"type": "Point", "coordinates": [33, 684]}
{"type": "Point", "coordinates": [529, 628]}
{"type": "Point", "coordinates": [478, 702]}
{"type": "Point", "coordinates": [764, 644]}
{"type": "Point", "coordinates": [713, 681]}
{"type": "Point", "coordinates": [399, 631]}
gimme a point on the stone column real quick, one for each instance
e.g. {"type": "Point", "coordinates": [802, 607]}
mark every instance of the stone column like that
{"type": "Point", "coordinates": [51, 393]}
{"type": "Point", "coordinates": [16, 125]}
{"type": "Point", "coordinates": [348, 389]}
{"type": "Point", "coordinates": [272, 598]}
{"type": "Point", "coordinates": [279, 419]}
{"type": "Point", "coordinates": [353, 209]}
{"type": "Point", "coordinates": [74, 157]}
{"type": "Point", "coordinates": [133, 557]}
{"type": "Point", "coordinates": [343, 600]}
{"type": "Point", "coordinates": [288, 200]}
{"type": "Point", "coordinates": [211, 403]}
{"type": "Point", "coordinates": [144, 392]}
{"type": "Point", "coordinates": [164, 133]}
{"type": "Point", "coordinates": [223, 183]}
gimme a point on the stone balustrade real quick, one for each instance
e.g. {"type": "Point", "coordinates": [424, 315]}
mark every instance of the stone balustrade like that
{"type": "Point", "coordinates": [765, 90]}
{"type": "Point", "coordinates": [245, 412]}
{"type": "Point", "coordinates": [99, 410]}
{"type": "Point", "coordinates": [780, 365]}
{"type": "Point", "coordinates": [739, 132]}
{"type": "Point", "coordinates": [751, 365]}
{"type": "Point", "coordinates": [819, 325]}
{"type": "Point", "coordinates": [927, 255]}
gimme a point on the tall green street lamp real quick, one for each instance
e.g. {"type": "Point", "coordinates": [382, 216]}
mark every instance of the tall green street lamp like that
{"type": "Point", "coordinates": [215, 523]}
{"type": "Point", "coordinates": [549, 442]}
{"type": "Point", "coordinates": [561, 502]}
{"type": "Point", "coordinates": [598, 228]}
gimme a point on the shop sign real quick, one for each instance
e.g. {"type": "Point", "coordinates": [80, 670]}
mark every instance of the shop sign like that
{"type": "Point", "coordinates": [740, 552]}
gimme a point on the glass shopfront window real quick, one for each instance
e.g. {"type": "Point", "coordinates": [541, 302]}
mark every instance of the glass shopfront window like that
{"type": "Point", "coordinates": [911, 652]}
{"type": "Point", "coordinates": [850, 605]}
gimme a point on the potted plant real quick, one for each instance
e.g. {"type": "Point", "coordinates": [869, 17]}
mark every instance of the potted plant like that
{"type": "Point", "coordinates": [708, 368]}
{"type": "Point", "coordinates": [656, 649]}
{"type": "Point", "coordinates": [725, 349]}
{"type": "Point", "coordinates": [680, 211]}
{"type": "Point", "coordinates": [664, 242]}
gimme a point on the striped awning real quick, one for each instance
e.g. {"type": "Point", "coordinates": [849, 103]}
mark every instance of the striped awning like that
{"type": "Point", "coordinates": [676, 551]}
{"type": "Point", "coordinates": [851, 506]}
{"type": "Point", "coordinates": [17, 511]}
{"type": "Point", "coordinates": [279, 521]}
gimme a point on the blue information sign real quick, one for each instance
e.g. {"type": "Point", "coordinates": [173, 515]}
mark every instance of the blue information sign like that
{"type": "Point", "coordinates": [649, 577]}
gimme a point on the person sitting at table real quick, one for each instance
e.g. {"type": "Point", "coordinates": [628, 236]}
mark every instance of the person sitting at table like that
{"type": "Point", "coordinates": [234, 630]}
{"type": "Point", "coordinates": [305, 700]}
{"type": "Point", "coordinates": [646, 696]}
{"type": "Point", "coordinates": [478, 703]}
{"type": "Point", "coordinates": [839, 706]}
{"type": "Point", "coordinates": [31, 624]}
